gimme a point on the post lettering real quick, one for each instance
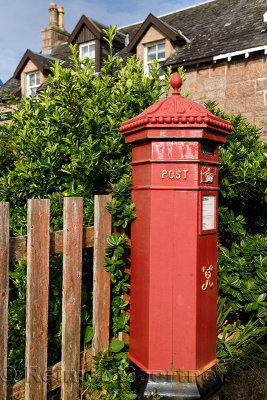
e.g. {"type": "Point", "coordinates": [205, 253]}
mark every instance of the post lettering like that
{"type": "Point", "coordinates": [163, 173]}
{"type": "Point", "coordinates": [171, 174]}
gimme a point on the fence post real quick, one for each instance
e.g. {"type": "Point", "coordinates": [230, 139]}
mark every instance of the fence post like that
{"type": "Point", "coordinates": [71, 303]}
{"type": "Point", "coordinates": [37, 299]}
{"type": "Point", "coordinates": [101, 278]}
{"type": "Point", "coordinates": [4, 287]}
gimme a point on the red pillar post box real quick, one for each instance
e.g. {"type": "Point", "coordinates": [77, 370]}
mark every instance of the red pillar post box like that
{"type": "Point", "coordinates": [174, 245]}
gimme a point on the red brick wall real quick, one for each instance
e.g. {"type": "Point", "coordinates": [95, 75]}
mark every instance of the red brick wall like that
{"type": "Point", "coordinates": [237, 86]}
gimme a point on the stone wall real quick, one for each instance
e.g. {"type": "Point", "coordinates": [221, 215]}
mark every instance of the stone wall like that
{"type": "Point", "coordinates": [239, 85]}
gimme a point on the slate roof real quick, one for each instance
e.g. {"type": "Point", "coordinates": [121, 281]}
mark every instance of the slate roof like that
{"type": "Point", "coordinates": [44, 61]}
{"type": "Point", "coordinates": [120, 36]}
{"type": "Point", "coordinates": [61, 52]}
{"type": "Point", "coordinates": [214, 28]}
{"type": "Point", "coordinates": [12, 86]}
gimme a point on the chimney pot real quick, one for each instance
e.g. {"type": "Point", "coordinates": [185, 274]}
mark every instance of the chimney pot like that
{"type": "Point", "coordinates": [60, 12]}
{"type": "Point", "coordinates": [53, 19]}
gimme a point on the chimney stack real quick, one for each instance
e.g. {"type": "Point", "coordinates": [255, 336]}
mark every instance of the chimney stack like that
{"type": "Point", "coordinates": [55, 33]}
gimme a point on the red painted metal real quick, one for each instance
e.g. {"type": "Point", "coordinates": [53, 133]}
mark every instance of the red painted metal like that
{"type": "Point", "coordinates": [174, 253]}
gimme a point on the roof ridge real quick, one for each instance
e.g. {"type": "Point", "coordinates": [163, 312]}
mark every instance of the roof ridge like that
{"type": "Point", "coordinates": [187, 8]}
{"type": "Point", "coordinates": [44, 55]}
{"type": "Point", "coordinates": [98, 22]}
{"type": "Point", "coordinates": [94, 22]}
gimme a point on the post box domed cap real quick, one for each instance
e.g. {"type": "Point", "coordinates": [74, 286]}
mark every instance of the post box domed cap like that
{"type": "Point", "coordinates": [174, 112]}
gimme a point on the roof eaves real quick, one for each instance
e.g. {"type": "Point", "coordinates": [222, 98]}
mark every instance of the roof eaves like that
{"type": "Point", "coordinates": [28, 55]}
{"type": "Point", "coordinates": [162, 26]}
{"type": "Point", "coordinates": [188, 62]}
{"type": "Point", "coordinates": [246, 52]}
{"type": "Point", "coordinates": [94, 23]}
{"type": "Point", "coordinates": [89, 23]}
{"type": "Point", "coordinates": [213, 58]}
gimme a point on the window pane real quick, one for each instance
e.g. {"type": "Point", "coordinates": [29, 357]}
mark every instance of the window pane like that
{"type": "Point", "coordinates": [161, 47]}
{"type": "Point", "coordinates": [92, 50]}
{"type": "Point", "coordinates": [37, 78]}
{"type": "Point", "coordinates": [84, 52]}
{"type": "Point", "coordinates": [32, 91]}
{"type": "Point", "coordinates": [161, 50]}
{"type": "Point", "coordinates": [32, 79]}
{"type": "Point", "coordinates": [151, 53]}
{"type": "Point", "coordinates": [151, 57]}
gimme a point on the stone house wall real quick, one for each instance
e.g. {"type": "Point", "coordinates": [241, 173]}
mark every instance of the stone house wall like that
{"type": "Point", "coordinates": [239, 85]}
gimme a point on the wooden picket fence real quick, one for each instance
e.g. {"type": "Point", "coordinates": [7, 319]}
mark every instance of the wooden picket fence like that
{"type": "Point", "coordinates": [36, 248]}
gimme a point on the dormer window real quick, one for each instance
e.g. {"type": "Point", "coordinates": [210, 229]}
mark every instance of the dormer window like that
{"type": "Point", "coordinates": [33, 82]}
{"type": "Point", "coordinates": [154, 51]}
{"type": "Point", "coordinates": [87, 50]}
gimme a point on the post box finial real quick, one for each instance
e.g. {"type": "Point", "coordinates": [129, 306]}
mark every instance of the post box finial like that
{"type": "Point", "coordinates": [176, 83]}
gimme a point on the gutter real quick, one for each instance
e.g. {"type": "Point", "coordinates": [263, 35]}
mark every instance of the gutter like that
{"type": "Point", "coordinates": [214, 59]}
{"type": "Point", "coordinates": [240, 52]}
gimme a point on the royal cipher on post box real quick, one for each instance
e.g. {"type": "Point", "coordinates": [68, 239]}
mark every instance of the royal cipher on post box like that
{"type": "Point", "coordinates": [174, 243]}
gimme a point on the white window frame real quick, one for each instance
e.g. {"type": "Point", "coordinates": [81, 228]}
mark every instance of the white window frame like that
{"type": "Point", "coordinates": [87, 44]}
{"type": "Point", "coordinates": [29, 87]}
{"type": "Point", "coordinates": [160, 60]}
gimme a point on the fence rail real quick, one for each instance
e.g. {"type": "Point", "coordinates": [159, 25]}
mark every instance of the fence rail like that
{"type": "Point", "coordinates": [36, 247]}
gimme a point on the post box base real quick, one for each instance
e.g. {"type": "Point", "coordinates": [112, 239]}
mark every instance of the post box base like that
{"type": "Point", "coordinates": [179, 386]}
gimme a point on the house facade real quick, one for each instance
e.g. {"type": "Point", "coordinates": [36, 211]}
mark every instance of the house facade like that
{"type": "Point", "coordinates": [222, 44]}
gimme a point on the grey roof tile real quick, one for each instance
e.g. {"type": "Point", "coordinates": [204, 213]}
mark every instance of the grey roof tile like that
{"type": "Point", "coordinates": [213, 28]}
{"type": "Point", "coordinates": [12, 86]}
{"type": "Point", "coordinates": [120, 36]}
{"type": "Point", "coordinates": [61, 52]}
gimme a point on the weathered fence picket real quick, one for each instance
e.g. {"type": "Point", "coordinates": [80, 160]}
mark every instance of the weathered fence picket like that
{"type": "Point", "coordinates": [37, 299]}
{"type": "Point", "coordinates": [36, 248]}
{"type": "Point", "coordinates": [101, 279]}
{"type": "Point", "coordinates": [4, 287]}
{"type": "Point", "coordinates": [71, 301]}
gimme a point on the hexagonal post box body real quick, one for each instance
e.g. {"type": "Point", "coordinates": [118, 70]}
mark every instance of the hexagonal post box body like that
{"type": "Point", "coordinates": [174, 237]}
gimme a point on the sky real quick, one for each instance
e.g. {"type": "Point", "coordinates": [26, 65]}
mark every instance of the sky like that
{"type": "Point", "coordinates": [22, 20]}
